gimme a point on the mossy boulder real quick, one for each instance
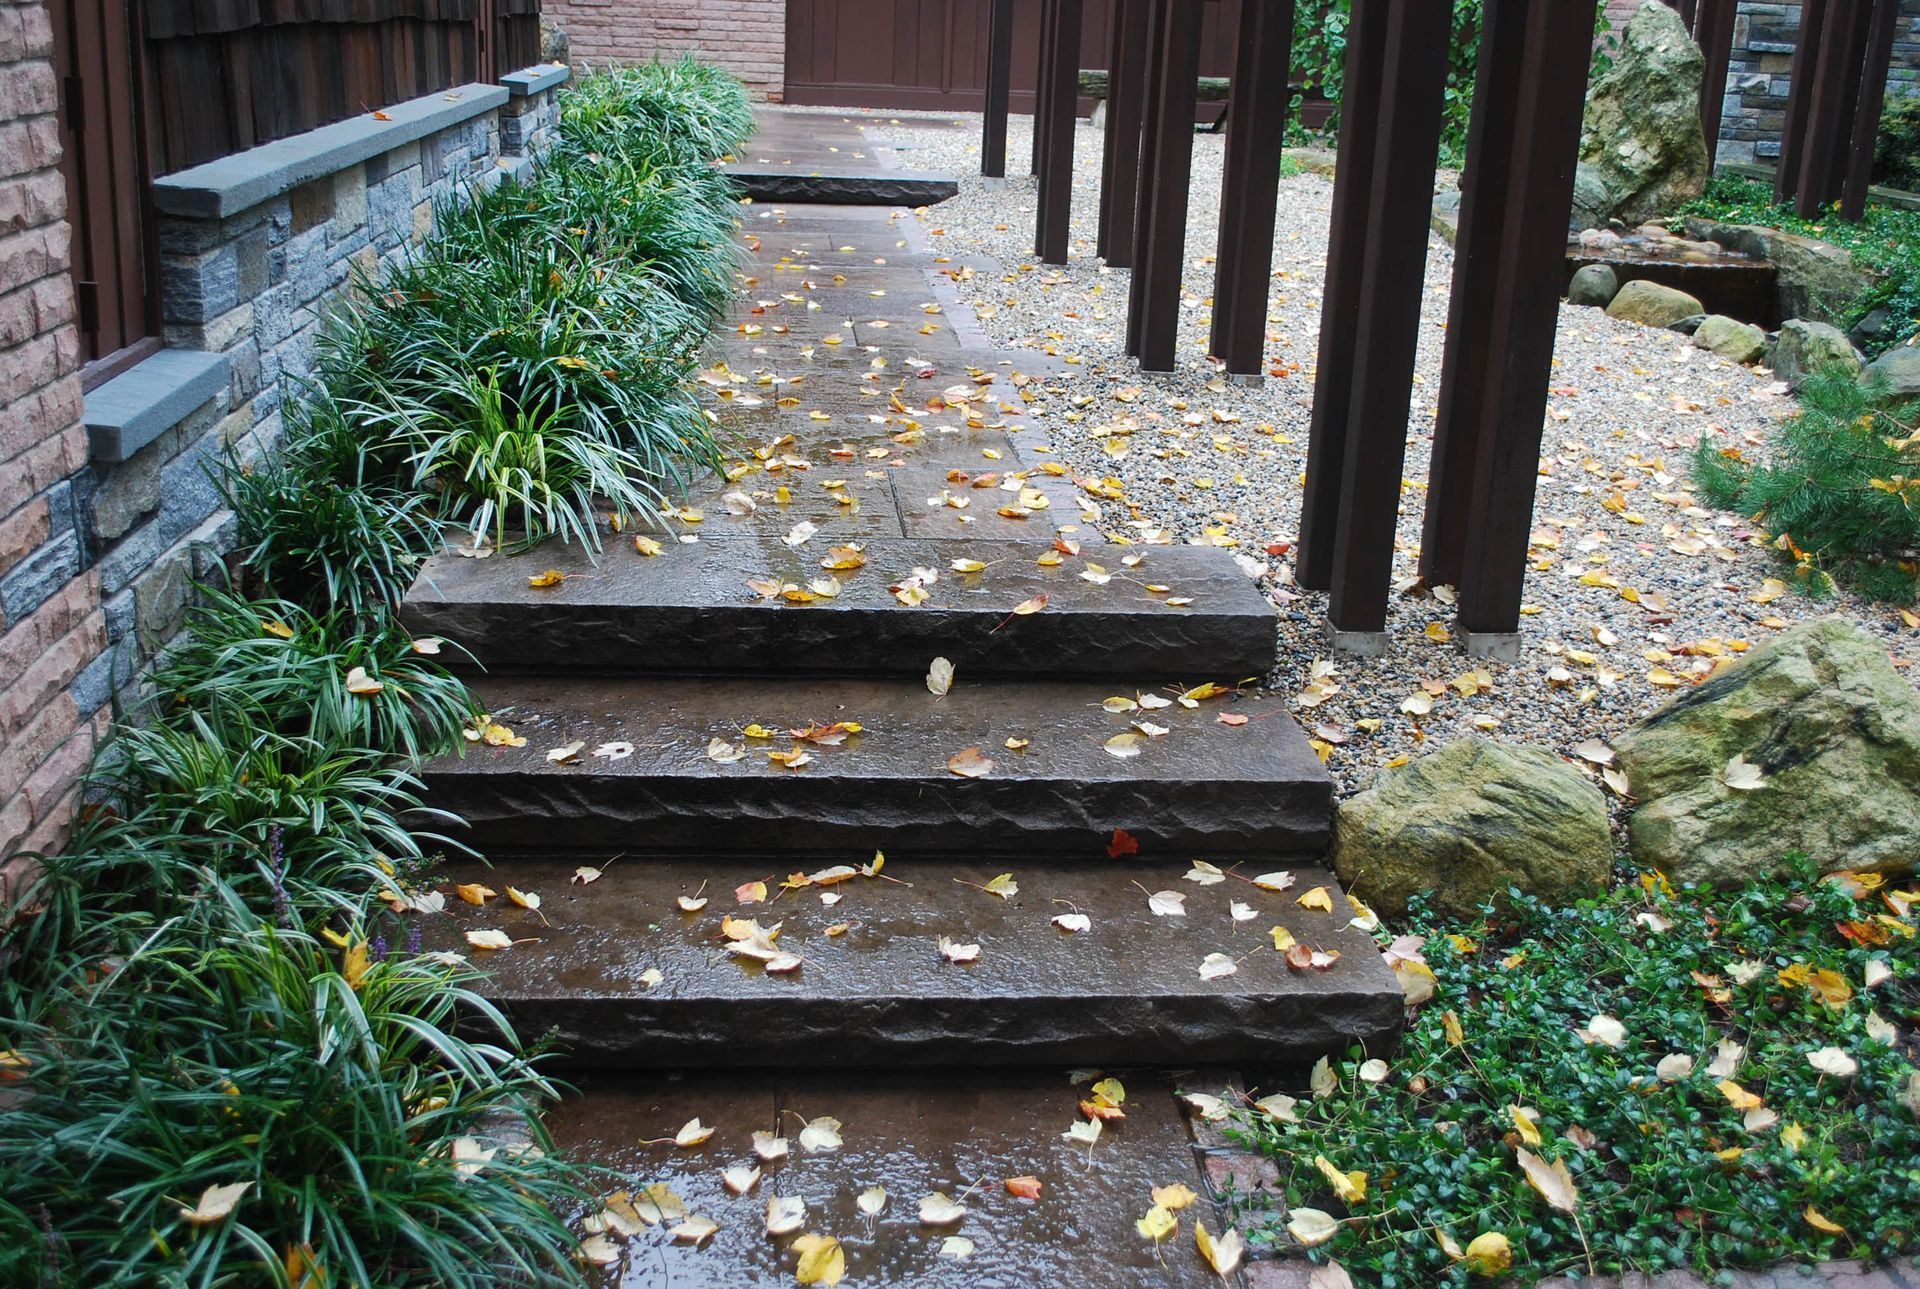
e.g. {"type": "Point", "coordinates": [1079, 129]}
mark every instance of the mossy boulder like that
{"type": "Point", "coordinates": [1641, 143]}
{"type": "Point", "coordinates": [1652, 305]}
{"type": "Point", "coordinates": [1738, 341]}
{"type": "Point", "coordinates": [1834, 732]}
{"type": "Point", "coordinates": [1805, 347]}
{"type": "Point", "coordinates": [1594, 285]}
{"type": "Point", "coordinates": [1469, 821]}
{"type": "Point", "coordinates": [1899, 368]}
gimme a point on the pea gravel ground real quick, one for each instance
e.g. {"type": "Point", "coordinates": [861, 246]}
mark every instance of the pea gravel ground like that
{"type": "Point", "coordinates": [1634, 589]}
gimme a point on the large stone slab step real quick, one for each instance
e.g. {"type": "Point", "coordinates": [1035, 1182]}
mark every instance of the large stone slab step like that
{"type": "Point", "coordinates": [691, 608]}
{"type": "Point", "coordinates": [1202, 787]}
{"type": "Point", "coordinates": [962, 1134]}
{"type": "Point", "coordinates": [872, 988]}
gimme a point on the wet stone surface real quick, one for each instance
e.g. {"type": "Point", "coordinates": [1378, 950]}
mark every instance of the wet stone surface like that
{"type": "Point", "coordinates": [1201, 788]}
{"type": "Point", "coordinates": [627, 976]}
{"type": "Point", "coordinates": [912, 1135]}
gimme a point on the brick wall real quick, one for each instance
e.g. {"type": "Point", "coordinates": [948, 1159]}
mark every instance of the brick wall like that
{"type": "Point", "coordinates": [51, 623]}
{"type": "Point", "coordinates": [98, 558]}
{"type": "Point", "coordinates": [747, 37]}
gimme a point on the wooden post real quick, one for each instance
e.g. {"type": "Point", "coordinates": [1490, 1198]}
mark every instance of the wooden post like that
{"type": "Point", "coordinates": [1806, 57]}
{"type": "Point", "coordinates": [1060, 84]}
{"type": "Point", "coordinates": [1391, 285]}
{"type": "Point", "coordinates": [1256, 128]}
{"type": "Point", "coordinates": [1153, 305]}
{"type": "Point", "coordinates": [1340, 297]}
{"type": "Point", "coordinates": [1831, 106]}
{"type": "Point", "coordinates": [1866, 121]}
{"type": "Point", "coordinates": [1040, 100]}
{"type": "Point", "coordinates": [1713, 32]}
{"type": "Point", "coordinates": [1493, 398]}
{"type": "Point", "coordinates": [993, 125]}
{"type": "Point", "coordinates": [1120, 156]}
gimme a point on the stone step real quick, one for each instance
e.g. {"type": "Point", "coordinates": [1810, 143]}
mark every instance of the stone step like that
{"type": "Point", "coordinates": [1201, 788]}
{"type": "Point", "coordinates": [873, 989]}
{"type": "Point", "coordinates": [966, 1134]}
{"type": "Point", "coordinates": [690, 609]}
{"type": "Point", "coordinates": [851, 184]}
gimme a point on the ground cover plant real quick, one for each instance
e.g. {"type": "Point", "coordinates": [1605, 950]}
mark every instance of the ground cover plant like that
{"type": "Point", "coordinates": [224, 1057]}
{"type": "Point", "coordinates": [1838, 490]}
{"type": "Point", "coordinates": [1886, 243]}
{"type": "Point", "coordinates": [1653, 1078]}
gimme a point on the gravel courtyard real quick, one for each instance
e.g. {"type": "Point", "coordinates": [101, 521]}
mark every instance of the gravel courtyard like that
{"type": "Point", "coordinates": [1635, 591]}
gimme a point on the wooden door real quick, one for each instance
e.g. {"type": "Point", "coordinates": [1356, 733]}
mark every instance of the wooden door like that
{"type": "Point", "coordinates": [932, 54]}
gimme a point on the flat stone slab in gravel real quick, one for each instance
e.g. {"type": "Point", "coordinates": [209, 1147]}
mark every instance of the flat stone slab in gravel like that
{"type": "Point", "coordinates": [912, 1135]}
{"type": "Point", "coordinates": [690, 609]}
{"type": "Point", "coordinates": [1203, 788]}
{"type": "Point", "coordinates": [875, 990]}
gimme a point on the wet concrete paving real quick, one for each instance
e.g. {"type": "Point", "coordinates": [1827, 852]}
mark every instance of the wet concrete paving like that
{"type": "Point", "coordinates": [962, 1134]}
{"type": "Point", "coordinates": [624, 975]}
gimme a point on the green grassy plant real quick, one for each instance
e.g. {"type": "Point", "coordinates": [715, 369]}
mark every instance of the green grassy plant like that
{"type": "Point", "coordinates": [1669, 1170]}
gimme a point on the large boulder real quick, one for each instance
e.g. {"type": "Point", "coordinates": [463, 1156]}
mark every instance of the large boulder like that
{"type": "Point", "coordinates": [1652, 305]}
{"type": "Point", "coordinates": [1593, 284]}
{"type": "Point", "coordinates": [1469, 821]}
{"type": "Point", "coordinates": [1899, 368]}
{"type": "Point", "coordinates": [1834, 733]}
{"type": "Point", "coordinates": [1642, 149]}
{"type": "Point", "coordinates": [1741, 342]}
{"type": "Point", "coordinates": [1805, 347]}
{"type": "Point", "coordinates": [1813, 279]}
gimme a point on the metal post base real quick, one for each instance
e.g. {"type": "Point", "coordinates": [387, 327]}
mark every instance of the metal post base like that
{"type": "Point", "coordinates": [1357, 644]}
{"type": "Point", "coordinates": [1501, 646]}
{"type": "Point", "coordinates": [1246, 380]}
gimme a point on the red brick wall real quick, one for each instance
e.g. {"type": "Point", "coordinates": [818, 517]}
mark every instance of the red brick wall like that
{"type": "Point", "coordinates": [51, 621]}
{"type": "Point", "coordinates": [747, 37]}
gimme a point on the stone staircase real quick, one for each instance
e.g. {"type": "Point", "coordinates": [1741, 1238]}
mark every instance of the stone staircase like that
{"type": "Point", "coordinates": [660, 695]}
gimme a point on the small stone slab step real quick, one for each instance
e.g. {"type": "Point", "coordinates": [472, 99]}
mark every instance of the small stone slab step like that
{"type": "Point", "coordinates": [690, 610]}
{"type": "Point", "coordinates": [874, 989]}
{"type": "Point", "coordinates": [1202, 788]}
{"type": "Point", "coordinates": [851, 184]}
{"type": "Point", "coordinates": [910, 1135]}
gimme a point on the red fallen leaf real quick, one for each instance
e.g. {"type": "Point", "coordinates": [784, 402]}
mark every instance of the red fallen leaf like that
{"type": "Point", "coordinates": [1099, 1110]}
{"type": "Point", "coordinates": [1279, 548]}
{"type": "Point", "coordinates": [1123, 843]}
{"type": "Point", "coordinates": [1024, 1187]}
{"type": "Point", "coordinates": [1231, 718]}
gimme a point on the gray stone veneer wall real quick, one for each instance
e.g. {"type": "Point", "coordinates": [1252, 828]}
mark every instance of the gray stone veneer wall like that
{"type": "Point", "coordinates": [253, 250]}
{"type": "Point", "coordinates": [1761, 72]}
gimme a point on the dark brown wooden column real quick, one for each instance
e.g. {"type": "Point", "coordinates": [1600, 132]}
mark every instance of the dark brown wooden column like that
{"type": "Point", "coordinates": [1060, 85]}
{"type": "Point", "coordinates": [1713, 32]}
{"type": "Point", "coordinates": [1166, 169]}
{"type": "Point", "coordinates": [1340, 295]}
{"type": "Point", "coordinates": [1256, 128]}
{"type": "Point", "coordinates": [1884, 25]}
{"type": "Point", "coordinates": [993, 125]}
{"type": "Point", "coordinates": [1040, 101]}
{"type": "Point", "coordinates": [1493, 396]}
{"type": "Point", "coordinates": [1806, 57]}
{"type": "Point", "coordinates": [1120, 156]}
{"type": "Point", "coordinates": [1832, 107]}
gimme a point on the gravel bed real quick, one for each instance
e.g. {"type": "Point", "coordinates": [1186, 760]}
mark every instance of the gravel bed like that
{"type": "Point", "coordinates": [1634, 591]}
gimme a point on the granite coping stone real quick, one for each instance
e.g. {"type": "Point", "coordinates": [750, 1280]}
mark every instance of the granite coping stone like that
{"type": "Point", "coordinates": [148, 399]}
{"type": "Point", "coordinates": [225, 187]}
{"type": "Point", "coordinates": [536, 79]}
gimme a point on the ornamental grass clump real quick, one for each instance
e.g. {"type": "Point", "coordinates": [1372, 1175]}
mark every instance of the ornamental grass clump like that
{"type": "Point", "coordinates": [1652, 1079]}
{"type": "Point", "coordinates": [1838, 491]}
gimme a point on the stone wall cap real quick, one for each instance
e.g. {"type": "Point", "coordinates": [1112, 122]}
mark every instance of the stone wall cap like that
{"type": "Point", "coordinates": [536, 79]}
{"type": "Point", "coordinates": [231, 184]}
{"type": "Point", "coordinates": [143, 402]}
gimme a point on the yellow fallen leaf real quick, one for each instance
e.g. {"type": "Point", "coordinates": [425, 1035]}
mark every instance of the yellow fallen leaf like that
{"type": "Point", "coordinates": [474, 892]}
{"type": "Point", "coordinates": [1489, 1254]}
{"type": "Point", "coordinates": [359, 682]}
{"type": "Point", "coordinates": [1222, 1254]}
{"type": "Point", "coordinates": [1821, 1222]}
{"type": "Point", "coordinates": [215, 1202]}
{"type": "Point", "coordinates": [1317, 898]}
{"type": "Point", "coordinates": [822, 1260]}
{"type": "Point", "coordinates": [552, 577]}
{"type": "Point", "coordinates": [1551, 1180]}
{"type": "Point", "coordinates": [1350, 1187]}
{"type": "Point", "coordinates": [1157, 1225]}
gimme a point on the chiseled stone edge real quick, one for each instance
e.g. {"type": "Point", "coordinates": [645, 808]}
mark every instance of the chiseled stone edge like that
{"type": "Point", "coordinates": [854, 190]}
{"type": "Point", "coordinates": [533, 80]}
{"type": "Point", "coordinates": [242, 181]}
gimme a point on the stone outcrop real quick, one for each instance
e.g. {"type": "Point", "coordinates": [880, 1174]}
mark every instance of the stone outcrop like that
{"type": "Point", "coordinates": [1469, 821]}
{"type": "Point", "coordinates": [1816, 280]}
{"type": "Point", "coordinates": [1642, 151]}
{"type": "Point", "coordinates": [1833, 732]}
